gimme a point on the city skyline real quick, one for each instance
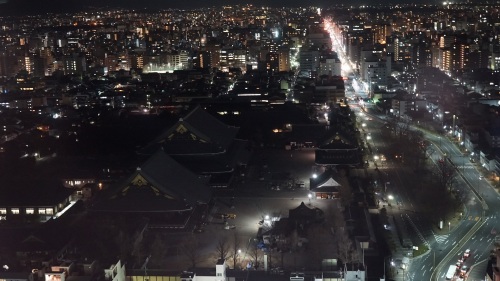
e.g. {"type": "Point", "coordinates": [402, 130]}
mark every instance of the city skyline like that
{"type": "Point", "coordinates": [19, 7]}
{"type": "Point", "coordinates": [333, 139]}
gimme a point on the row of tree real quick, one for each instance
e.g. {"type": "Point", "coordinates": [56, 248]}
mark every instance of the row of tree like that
{"type": "Point", "coordinates": [432, 190]}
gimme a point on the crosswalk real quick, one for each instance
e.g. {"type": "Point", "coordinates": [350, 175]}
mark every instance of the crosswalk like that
{"type": "Point", "coordinates": [441, 238]}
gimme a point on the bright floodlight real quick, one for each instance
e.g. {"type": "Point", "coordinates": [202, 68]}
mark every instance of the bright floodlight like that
{"type": "Point", "coordinates": [267, 217]}
{"type": "Point", "coordinates": [315, 176]}
{"type": "Point", "coordinates": [309, 195]}
{"type": "Point", "coordinates": [390, 197]}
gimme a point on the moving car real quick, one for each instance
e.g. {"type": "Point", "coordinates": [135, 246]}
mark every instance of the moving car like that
{"type": "Point", "coordinates": [467, 253]}
{"type": "Point", "coordinates": [463, 271]}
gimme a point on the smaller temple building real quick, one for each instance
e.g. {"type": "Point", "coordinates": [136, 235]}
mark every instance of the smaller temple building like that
{"type": "Point", "coordinates": [324, 186]}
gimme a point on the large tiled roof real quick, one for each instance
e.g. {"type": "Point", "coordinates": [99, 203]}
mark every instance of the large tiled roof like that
{"type": "Point", "coordinates": [237, 153]}
{"type": "Point", "coordinates": [198, 132]}
{"type": "Point", "coordinates": [160, 184]}
{"type": "Point", "coordinates": [211, 126]}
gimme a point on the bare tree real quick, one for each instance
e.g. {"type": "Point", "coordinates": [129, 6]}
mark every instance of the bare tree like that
{"type": "Point", "coordinates": [123, 241]}
{"type": "Point", "coordinates": [286, 245]}
{"type": "Point", "coordinates": [316, 247]}
{"type": "Point", "coordinates": [191, 250]}
{"type": "Point", "coordinates": [254, 253]}
{"type": "Point", "coordinates": [416, 148]}
{"type": "Point", "coordinates": [138, 249]}
{"type": "Point", "coordinates": [272, 257]}
{"type": "Point", "coordinates": [445, 174]}
{"type": "Point", "coordinates": [337, 217]}
{"type": "Point", "coordinates": [345, 189]}
{"type": "Point", "coordinates": [398, 128]}
{"type": "Point", "coordinates": [222, 248]}
{"type": "Point", "coordinates": [158, 251]}
{"type": "Point", "coordinates": [346, 251]}
{"type": "Point", "coordinates": [235, 249]}
{"type": "Point", "coordinates": [403, 127]}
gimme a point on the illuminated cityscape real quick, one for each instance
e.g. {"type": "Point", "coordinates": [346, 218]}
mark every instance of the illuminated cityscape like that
{"type": "Point", "coordinates": [247, 142]}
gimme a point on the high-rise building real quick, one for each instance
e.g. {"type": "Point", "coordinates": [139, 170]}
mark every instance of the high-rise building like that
{"type": "Point", "coordinates": [494, 63]}
{"type": "Point", "coordinates": [284, 59]}
{"type": "Point", "coordinates": [309, 60]}
{"type": "Point", "coordinates": [445, 63]}
{"type": "Point", "coordinates": [74, 64]}
{"type": "Point", "coordinates": [136, 60]}
{"type": "Point", "coordinates": [445, 41]}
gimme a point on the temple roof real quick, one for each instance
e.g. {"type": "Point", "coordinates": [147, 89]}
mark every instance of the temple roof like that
{"type": "Point", "coordinates": [325, 183]}
{"type": "Point", "coordinates": [160, 184]}
{"type": "Point", "coordinates": [197, 133]}
{"type": "Point", "coordinates": [237, 153]}
{"type": "Point", "coordinates": [338, 151]}
{"type": "Point", "coordinates": [338, 142]}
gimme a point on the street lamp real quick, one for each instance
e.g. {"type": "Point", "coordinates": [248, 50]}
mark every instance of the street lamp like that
{"type": "Point", "coordinates": [309, 196]}
{"type": "Point", "coordinates": [449, 226]}
{"type": "Point", "coordinates": [453, 129]}
{"type": "Point", "coordinates": [390, 198]}
{"type": "Point", "coordinates": [392, 267]}
{"type": "Point", "coordinates": [238, 256]}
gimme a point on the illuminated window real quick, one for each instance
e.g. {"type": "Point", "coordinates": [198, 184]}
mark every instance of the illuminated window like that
{"type": "Point", "coordinates": [30, 211]}
{"type": "Point", "coordinates": [41, 211]}
{"type": "Point", "coordinates": [49, 211]}
{"type": "Point", "coordinates": [3, 211]}
{"type": "Point", "coordinates": [15, 211]}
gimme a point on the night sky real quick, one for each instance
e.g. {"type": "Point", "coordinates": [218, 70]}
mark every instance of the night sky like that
{"type": "Point", "coordinates": [42, 6]}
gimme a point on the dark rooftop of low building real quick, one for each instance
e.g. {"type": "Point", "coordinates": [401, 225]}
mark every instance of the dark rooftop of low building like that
{"type": "Point", "coordinates": [31, 192]}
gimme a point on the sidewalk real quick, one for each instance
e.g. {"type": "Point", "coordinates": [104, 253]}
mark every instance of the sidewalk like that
{"type": "Point", "coordinates": [450, 225]}
{"type": "Point", "coordinates": [395, 234]}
